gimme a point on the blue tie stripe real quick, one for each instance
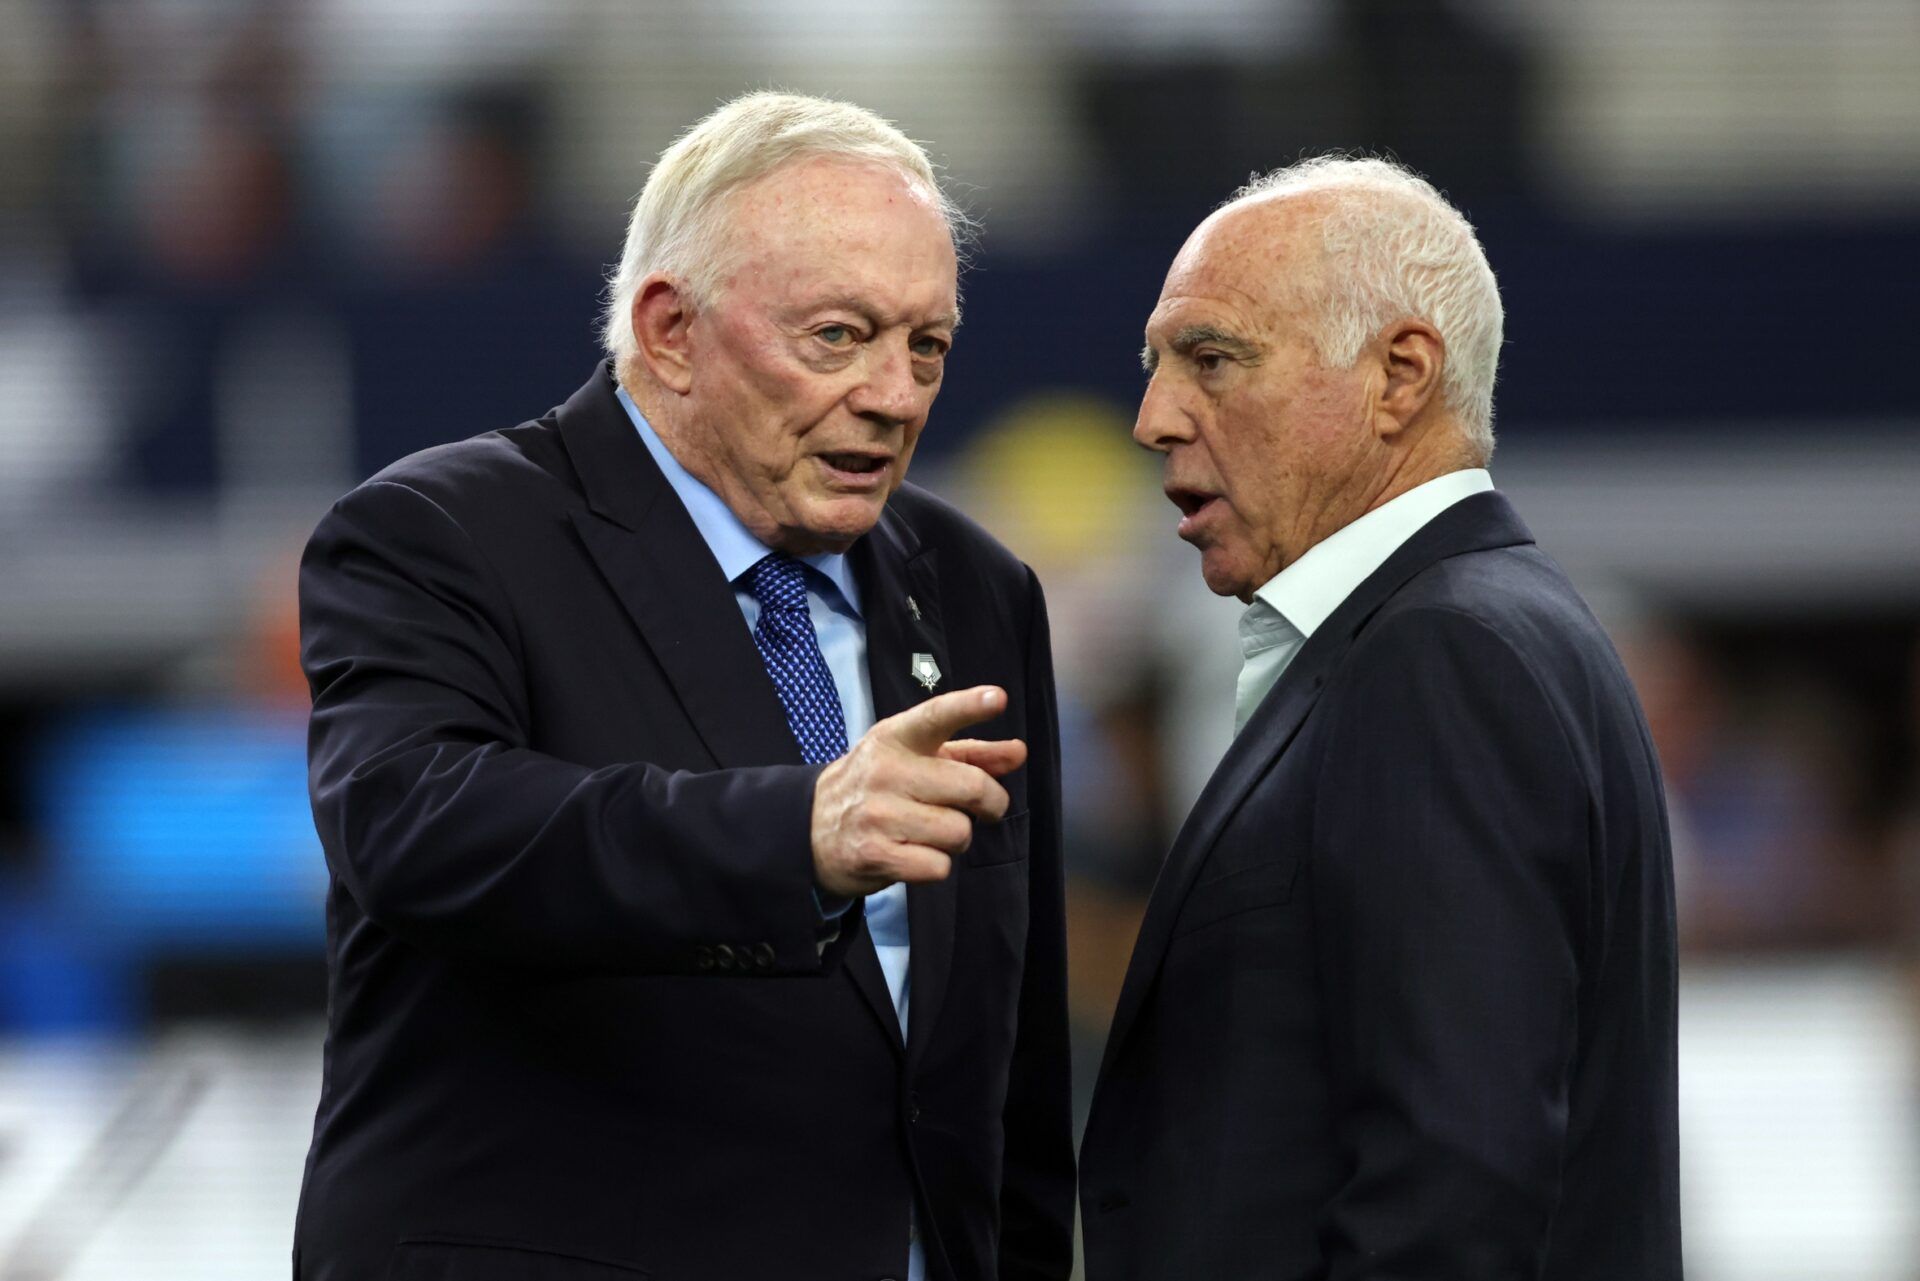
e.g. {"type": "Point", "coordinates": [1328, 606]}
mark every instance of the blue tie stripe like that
{"type": "Point", "coordinates": [785, 637]}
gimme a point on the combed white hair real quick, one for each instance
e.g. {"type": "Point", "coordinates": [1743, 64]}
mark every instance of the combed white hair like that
{"type": "Point", "coordinates": [1394, 248]}
{"type": "Point", "coordinates": [679, 219]}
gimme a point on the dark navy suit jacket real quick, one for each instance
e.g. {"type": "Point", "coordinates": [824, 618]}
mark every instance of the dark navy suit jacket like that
{"type": "Point", "coordinates": [1403, 1002]}
{"type": "Point", "coordinates": [579, 1027]}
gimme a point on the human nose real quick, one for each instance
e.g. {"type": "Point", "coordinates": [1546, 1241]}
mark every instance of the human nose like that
{"type": "Point", "coordinates": [889, 390]}
{"type": "Point", "coordinates": [1161, 423]}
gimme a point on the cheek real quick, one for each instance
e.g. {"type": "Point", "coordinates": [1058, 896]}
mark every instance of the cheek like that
{"type": "Point", "coordinates": [1248, 451]}
{"type": "Point", "coordinates": [785, 410]}
{"type": "Point", "coordinates": [1328, 410]}
{"type": "Point", "coordinates": [908, 443]}
{"type": "Point", "coordinates": [763, 377]}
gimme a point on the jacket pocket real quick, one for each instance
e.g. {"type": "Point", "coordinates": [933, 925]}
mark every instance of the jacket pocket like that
{"type": "Point", "coordinates": [485, 1259]}
{"type": "Point", "coordinates": [996, 843]}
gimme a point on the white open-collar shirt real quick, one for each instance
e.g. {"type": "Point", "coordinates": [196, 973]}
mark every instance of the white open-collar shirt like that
{"type": "Point", "coordinates": [1291, 606]}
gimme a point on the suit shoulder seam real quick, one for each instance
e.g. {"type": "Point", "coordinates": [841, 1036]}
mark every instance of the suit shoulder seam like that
{"type": "Point", "coordinates": [492, 571]}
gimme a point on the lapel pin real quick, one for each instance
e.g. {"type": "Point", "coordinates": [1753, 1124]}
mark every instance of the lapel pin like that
{"type": "Point", "coordinates": [913, 607]}
{"type": "Point", "coordinates": [925, 670]}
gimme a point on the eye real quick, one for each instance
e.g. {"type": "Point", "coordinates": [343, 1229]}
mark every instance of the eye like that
{"type": "Point", "coordinates": [930, 348]}
{"type": "Point", "coordinates": [834, 335]}
{"type": "Point", "coordinates": [1208, 361]}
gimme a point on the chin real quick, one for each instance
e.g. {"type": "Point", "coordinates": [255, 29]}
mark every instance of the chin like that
{"type": "Point", "coordinates": [1224, 578]}
{"type": "Point", "coordinates": [833, 525]}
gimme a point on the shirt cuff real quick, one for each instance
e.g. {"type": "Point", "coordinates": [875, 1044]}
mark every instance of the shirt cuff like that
{"type": "Point", "coordinates": [828, 909]}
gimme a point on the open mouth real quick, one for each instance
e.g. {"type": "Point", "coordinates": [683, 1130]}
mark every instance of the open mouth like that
{"type": "Point", "coordinates": [856, 464]}
{"type": "Point", "coordinates": [1190, 501]}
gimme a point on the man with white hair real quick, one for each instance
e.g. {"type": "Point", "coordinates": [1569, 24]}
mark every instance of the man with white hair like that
{"type": "Point", "coordinates": [671, 930]}
{"type": "Point", "coordinates": [1402, 1005]}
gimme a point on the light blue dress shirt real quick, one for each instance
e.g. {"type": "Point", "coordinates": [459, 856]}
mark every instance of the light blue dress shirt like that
{"type": "Point", "coordinates": [833, 601]}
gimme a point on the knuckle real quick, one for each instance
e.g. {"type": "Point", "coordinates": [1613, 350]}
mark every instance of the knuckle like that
{"type": "Point", "coordinates": [871, 824]}
{"type": "Point", "coordinates": [871, 859]}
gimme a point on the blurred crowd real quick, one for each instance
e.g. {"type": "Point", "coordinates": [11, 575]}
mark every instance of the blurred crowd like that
{"type": "Point", "coordinates": [252, 250]}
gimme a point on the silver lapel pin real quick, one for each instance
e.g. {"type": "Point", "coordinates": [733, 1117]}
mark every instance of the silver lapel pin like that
{"type": "Point", "coordinates": [913, 607]}
{"type": "Point", "coordinates": [925, 670]}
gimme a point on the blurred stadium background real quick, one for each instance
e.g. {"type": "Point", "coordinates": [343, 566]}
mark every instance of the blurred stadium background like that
{"type": "Point", "coordinates": [252, 250]}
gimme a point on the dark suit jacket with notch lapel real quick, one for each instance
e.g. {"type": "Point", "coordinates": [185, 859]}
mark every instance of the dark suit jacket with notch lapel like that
{"type": "Point", "coordinates": [579, 1025]}
{"type": "Point", "coordinates": [1402, 1005]}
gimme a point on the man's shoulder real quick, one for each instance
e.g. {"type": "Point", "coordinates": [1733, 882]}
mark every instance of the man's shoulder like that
{"type": "Point", "coordinates": [1513, 606]}
{"type": "Point", "coordinates": [483, 477]}
{"type": "Point", "coordinates": [1510, 590]}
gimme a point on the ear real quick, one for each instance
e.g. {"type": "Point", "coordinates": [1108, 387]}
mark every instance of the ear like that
{"type": "Point", "coordinates": [1412, 356]}
{"type": "Point", "coordinates": [661, 315]}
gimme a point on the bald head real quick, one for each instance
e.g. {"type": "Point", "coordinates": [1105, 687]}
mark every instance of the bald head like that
{"type": "Point", "coordinates": [1301, 373]}
{"type": "Point", "coordinates": [1387, 247]}
{"type": "Point", "coordinates": [1261, 253]}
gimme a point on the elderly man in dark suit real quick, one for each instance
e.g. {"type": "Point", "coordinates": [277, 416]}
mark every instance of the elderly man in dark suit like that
{"type": "Point", "coordinates": [671, 931]}
{"type": "Point", "coordinates": [1402, 1005]}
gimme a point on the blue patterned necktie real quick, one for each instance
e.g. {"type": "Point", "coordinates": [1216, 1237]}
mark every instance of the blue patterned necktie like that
{"type": "Point", "coordinates": [788, 646]}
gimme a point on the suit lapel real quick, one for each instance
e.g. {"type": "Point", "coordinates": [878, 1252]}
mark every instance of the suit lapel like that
{"type": "Point", "coordinates": [900, 603]}
{"type": "Point", "coordinates": [1476, 523]}
{"type": "Point", "coordinates": [877, 602]}
{"type": "Point", "coordinates": [1266, 735]}
{"type": "Point", "coordinates": [651, 553]}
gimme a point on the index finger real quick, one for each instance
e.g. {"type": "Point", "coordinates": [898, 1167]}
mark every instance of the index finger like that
{"type": "Point", "coordinates": [925, 727]}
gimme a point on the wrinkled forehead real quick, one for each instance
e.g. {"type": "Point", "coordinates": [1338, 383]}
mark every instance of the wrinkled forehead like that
{"type": "Point", "coordinates": [834, 198]}
{"type": "Point", "coordinates": [1259, 260]}
{"type": "Point", "coordinates": [861, 233]}
{"type": "Point", "coordinates": [1258, 242]}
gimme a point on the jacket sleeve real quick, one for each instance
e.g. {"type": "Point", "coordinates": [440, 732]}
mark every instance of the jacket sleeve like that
{"type": "Point", "coordinates": [448, 830]}
{"type": "Point", "coordinates": [1450, 888]}
{"type": "Point", "coordinates": [1037, 1189]}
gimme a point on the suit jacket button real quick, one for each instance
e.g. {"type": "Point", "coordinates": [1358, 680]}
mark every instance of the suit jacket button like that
{"type": "Point", "coordinates": [913, 1110]}
{"type": "Point", "coordinates": [723, 956]}
{"type": "Point", "coordinates": [703, 956]}
{"type": "Point", "coordinates": [763, 956]}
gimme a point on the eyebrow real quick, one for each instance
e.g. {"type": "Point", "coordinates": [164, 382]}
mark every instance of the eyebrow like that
{"type": "Point", "coordinates": [1188, 337]}
{"type": "Point", "coordinates": [860, 306]}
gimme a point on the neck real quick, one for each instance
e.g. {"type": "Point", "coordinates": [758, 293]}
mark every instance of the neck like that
{"type": "Point", "coordinates": [1437, 450]}
{"type": "Point", "coordinates": [632, 379]}
{"type": "Point", "coordinates": [658, 409]}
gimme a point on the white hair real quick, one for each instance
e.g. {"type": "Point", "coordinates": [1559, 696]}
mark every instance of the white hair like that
{"type": "Point", "coordinates": [1395, 248]}
{"type": "Point", "coordinates": [679, 223]}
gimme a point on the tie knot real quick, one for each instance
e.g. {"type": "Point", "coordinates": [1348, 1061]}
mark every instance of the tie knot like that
{"type": "Point", "coordinates": [778, 582]}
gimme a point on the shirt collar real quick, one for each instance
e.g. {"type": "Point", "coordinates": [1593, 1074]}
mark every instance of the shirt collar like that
{"type": "Point", "coordinates": [1306, 592]}
{"type": "Point", "coordinates": [731, 543]}
{"type": "Point", "coordinates": [1262, 627]}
